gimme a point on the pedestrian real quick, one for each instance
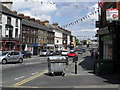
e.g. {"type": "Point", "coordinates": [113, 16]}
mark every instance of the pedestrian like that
{"type": "Point", "coordinates": [96, 55]}
{"type": "Point", "coordinates": [92, 54]}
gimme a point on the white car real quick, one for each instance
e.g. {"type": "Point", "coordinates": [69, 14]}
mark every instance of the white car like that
{"type": "Point", "coordinates": [64, 53]}
{"type": "Point", "coordinates": [11, 56]}
{"type": "Point", "coordinates": [44, 53]}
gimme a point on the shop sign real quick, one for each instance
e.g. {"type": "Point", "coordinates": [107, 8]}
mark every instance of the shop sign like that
{"type": "Point", "coordinates": [106, 38]}
{"type": "Point", "coordinates": [112, 14]}
{"type": "Point", "coordinates": [35, 44]}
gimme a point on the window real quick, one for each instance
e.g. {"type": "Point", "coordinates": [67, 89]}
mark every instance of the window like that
{"type": "Point", "coordinates": [16, 33]}
{"type": "Point", "coordinates": [16, 53]}
{"type": "Point", "coordinates": [0, 46]}
{"type": "Point", "coordinates": [16, 22]}
{"type": "Point", "coordinates": [0, 18]}
{"type": "Point", "coordinates": [10, 32]}
{"type": "Point", "coordinates": [0, 31]}
{"type": "Point", "coordinates": [12, 53]}
{"type": "Point", "coordinates": [9, 20]}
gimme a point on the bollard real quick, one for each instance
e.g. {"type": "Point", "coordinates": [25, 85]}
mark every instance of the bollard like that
{"type": "Point", "coordinates": [76, 59]}
{"type": "Point", "coordinates": [75, 67]}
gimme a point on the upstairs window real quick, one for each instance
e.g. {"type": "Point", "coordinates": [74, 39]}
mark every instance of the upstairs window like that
{"type": "Point", "coordinates": [9, 20]}
{"type": "Point", "coordinates": [16, 33]}
{"type": "Point", "coordinates": [16, 23]}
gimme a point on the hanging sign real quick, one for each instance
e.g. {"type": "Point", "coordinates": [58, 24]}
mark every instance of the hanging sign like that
{"type": "Point", "coordinates": [112, 14]}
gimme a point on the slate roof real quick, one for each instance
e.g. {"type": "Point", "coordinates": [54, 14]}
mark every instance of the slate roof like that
{"type": "Point", "coordinates": [35, 25]}
{"type": "Point", "coordinates": [7, 11]}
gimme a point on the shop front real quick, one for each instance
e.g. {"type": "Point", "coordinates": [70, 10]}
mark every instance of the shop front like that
{"type": "Point", "coordinates": [10, 45]}
{"type": "Point", "coordinates": [109, 45]}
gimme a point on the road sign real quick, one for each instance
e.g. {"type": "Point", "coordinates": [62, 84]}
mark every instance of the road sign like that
{"type": "Point", "coordinates": [112, 14]}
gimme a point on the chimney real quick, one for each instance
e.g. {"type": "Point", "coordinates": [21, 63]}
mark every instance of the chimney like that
{"type": "Point", "coordinates": [55, 25]}
{"type": "Point", "coordinates": [38, 21]}
{"type": "Point", "coordinates": [8, 4]}
{"type": "Point", "coordinates": [32, 19]}
{"type": "Point", "coordinates": [21, 15]}
{"type": "Point", "coordinates": [46, 23]}
{"type": "Point", "coordinates": [15, 12]}
{"type": "Point", "coordinates": [27, 17]}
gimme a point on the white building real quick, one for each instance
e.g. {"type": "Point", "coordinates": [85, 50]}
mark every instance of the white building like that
{"type": "Point", "coordinates": [58, 37]}
{"type": "Point", "coordinates": [11, 28]}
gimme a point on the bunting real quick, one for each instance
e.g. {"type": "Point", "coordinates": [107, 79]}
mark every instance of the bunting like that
{"type": "Point", "coordinates": [81, 19]}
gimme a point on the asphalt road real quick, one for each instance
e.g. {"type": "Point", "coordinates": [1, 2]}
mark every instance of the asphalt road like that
{"type": "Point", "coordinates": [33, 73]}
{"type": "Point", "coordinates": [16, 72]}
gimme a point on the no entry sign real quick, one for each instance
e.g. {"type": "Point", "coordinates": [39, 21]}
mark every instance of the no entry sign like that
{"type": "Point", "coordinates": [112, 14]}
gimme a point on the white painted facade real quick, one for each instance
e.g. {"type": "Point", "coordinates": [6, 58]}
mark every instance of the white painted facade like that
{"type": "Point", "coordinates": [58, 39]}
{"type": "Point", "coordinates": [13, 23]}
{"type": "Point", "coordinates": [68, 39]}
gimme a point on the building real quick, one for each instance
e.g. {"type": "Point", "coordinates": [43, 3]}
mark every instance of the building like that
{"type": "Point", "coordinates": [11, 29]}
{"type": "Point", "coordinates": [35, 36]}
{"type": "Point", "coordinates": [109, 33]}
{"type": "Point", "coordinates": [66, 39]}
{"type": "Point", "coordinates": [49, 35]}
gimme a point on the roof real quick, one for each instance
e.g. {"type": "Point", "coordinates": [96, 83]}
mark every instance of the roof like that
{"type": "Point", "coordinates": [34, 24]}
{"type": "Point", "coordinates": [7, 11]}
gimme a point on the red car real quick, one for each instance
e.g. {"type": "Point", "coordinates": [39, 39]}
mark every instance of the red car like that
{"type": "Point", "coordinates": [72, 54]}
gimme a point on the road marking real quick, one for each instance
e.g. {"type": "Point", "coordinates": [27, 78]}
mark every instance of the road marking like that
{"type": "Point", "coordinates": [19, 77]}
{"type": "Point", "coordinates": [34, 73]}
{"type": "Point", "coordinates": [29, 79]}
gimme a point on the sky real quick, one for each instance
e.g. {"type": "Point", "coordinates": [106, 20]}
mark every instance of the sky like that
{"type": "Point", "coordinates": [63, 12]}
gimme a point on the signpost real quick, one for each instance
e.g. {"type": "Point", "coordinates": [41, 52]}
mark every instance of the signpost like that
{"type": "Point", "coordinates": [112, 14]}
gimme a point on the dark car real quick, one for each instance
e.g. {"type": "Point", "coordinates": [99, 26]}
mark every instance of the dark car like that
{"type": "Point", "coordinates": [57, 52]}
{"type": "Point", "coordinates": [26, 54]}
{"type": "Point", "coordinates": [51, 53]}
{"type": "Point", "coordinates": [83, 50]}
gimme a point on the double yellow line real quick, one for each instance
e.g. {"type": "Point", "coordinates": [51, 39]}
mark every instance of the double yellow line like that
{"type": "Point", "coordinates": [29, 79]}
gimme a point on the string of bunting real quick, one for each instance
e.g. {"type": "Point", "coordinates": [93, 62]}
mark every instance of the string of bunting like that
{"type": "Point", "coordinates": [81, 19]}
{"type": "Point", "coordinates": [65, 4]}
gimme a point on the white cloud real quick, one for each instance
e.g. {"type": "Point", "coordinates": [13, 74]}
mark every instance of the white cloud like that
{"type": "Point", "coordinates": [82, 30]}
{"type": "Point", "coordinates": [34, 8]}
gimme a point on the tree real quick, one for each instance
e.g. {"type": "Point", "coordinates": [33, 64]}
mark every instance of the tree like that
{"type": "Point", "coordinates": [77, 42]}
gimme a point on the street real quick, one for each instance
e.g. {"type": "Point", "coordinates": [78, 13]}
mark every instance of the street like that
{"type": "Point", "coordinates": [33, 73]}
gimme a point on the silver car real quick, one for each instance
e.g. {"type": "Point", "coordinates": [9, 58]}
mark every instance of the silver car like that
{"type": "Point", "coordinates": [11, 56]}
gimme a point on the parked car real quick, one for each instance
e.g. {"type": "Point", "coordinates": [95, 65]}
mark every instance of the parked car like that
{"type": "Point", "coordinates": [57, 52]}
{"type": "Point", "coordinates": [26, 54]}
{"type": "Point", "coordinates": [44, 53]}
{"type": "Point", "coordinates": [72, 54]}
{"type": "Point", "coordinates": [83, 50]}
{"type": "Point", "coordinates": [11, 56]}
{"type": "Point", "coordinates": [64, 52]}
{"type": "Point", "coordinates": [79, 51]}
{"type": "Point", "coordinates": [51, 53]}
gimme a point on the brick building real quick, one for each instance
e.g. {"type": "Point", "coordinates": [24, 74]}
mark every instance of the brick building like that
{"type": "Point", "coordinates": [109, 33]}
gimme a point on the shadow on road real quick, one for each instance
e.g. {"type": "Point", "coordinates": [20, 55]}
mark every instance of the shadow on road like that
{"type": "Point", "coordinates": [88, 64]}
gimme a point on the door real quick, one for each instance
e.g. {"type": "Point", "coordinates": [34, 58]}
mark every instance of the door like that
{"type": "Point", "coordinates": [16, 56]}
{"type": "Point", "coordinates": [10, 57]}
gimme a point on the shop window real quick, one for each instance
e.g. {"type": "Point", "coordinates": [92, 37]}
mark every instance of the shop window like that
{"type": "Point", "coordinates": [0, 46]}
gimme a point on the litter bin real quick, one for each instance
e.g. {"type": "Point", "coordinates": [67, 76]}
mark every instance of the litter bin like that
{"type": "Point", "coordinates": [104, 66]}
{"type": "Point", "coordinates": [57, 65]}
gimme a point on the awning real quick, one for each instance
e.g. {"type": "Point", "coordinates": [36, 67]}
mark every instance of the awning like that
{"type": "Point", "coordinates": [102, 31]}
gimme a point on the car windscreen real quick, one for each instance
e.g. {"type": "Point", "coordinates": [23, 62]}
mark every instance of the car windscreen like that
{"type": "Point", "coordinates": [3, 53]}
{"type": "Point", "coordinates": [72, 53]}
{"type": "Point", "coordinates": [64, 51]}
{"type": "Point", "coordinates": [44, 50]}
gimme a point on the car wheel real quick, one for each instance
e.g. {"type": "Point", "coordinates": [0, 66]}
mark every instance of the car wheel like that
{"type": "Point", "coordinates": [4, 61]}
{"type": "Point", "coordinates": [20, 60]}
{"type": "Point", "coordinates": [29, 56]}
